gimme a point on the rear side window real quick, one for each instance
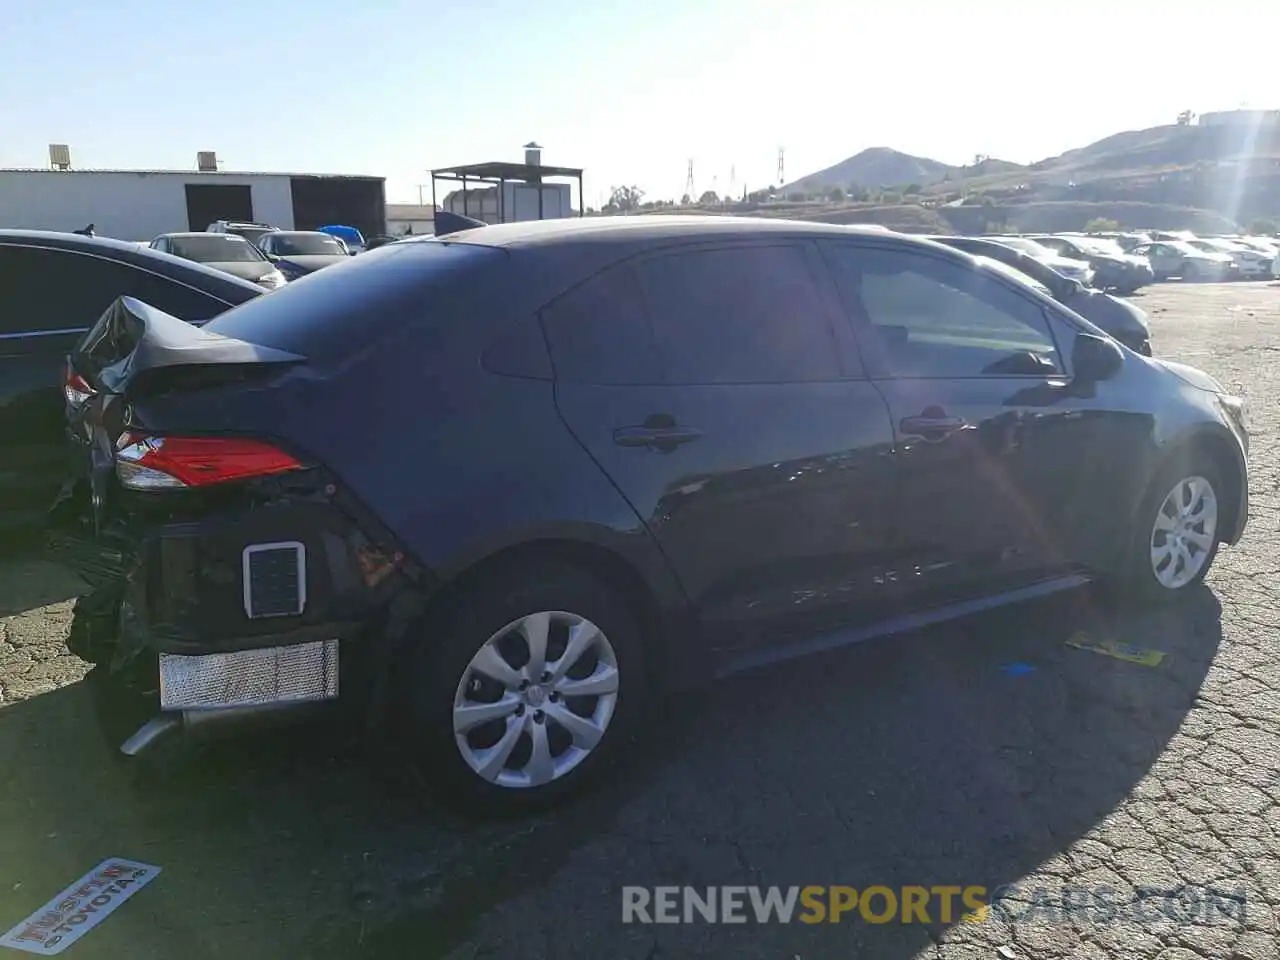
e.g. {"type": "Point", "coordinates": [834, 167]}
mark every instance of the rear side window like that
{"type": "Point", "coordinates": [599, 332]}
{"type": "Point", "coordinates": [43, 289]}
{"type": "Point", "coordinates": [749, 314]}
{"type": "Point", "coordinates": [340, 309]}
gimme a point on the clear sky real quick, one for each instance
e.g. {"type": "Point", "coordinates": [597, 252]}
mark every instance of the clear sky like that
{"type": "Point", "coordinates": [631, 92]}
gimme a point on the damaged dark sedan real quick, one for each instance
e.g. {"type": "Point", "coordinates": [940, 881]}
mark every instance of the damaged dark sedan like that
{"type": "Point", "coordinates": [501, 488]}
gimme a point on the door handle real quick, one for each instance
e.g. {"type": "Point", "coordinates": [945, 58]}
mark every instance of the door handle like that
{"type": "Point", "coordinates": [933, 429]}
{"type": "Point", "coordinates": [663, 438]}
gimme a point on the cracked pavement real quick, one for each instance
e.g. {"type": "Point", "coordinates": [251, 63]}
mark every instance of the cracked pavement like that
{"type": "Point", "coordinates": [912, 761]}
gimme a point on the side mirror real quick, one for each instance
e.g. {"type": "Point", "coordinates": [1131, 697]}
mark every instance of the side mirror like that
{"type": "Point", "coordinates": [1095, 358]}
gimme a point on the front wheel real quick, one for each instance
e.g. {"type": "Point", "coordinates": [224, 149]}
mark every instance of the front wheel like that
{"type": "Point", "coordinates": [530, 686]}
{"type": "Point", "coordinates": [1176, 537]}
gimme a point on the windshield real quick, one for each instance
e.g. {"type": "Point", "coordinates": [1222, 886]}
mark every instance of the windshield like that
{"type": "Point", "coordinates": [1026, 246]}
{"type": "Point", "coordinates": [1182, 246]}
{"type": "Point", "coordinates": [306, 245]}
{"type": "Point", "coordinates": [215, 248]}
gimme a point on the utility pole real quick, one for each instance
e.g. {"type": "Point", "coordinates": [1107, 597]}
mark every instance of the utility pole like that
{"type": "Point", "coordinates": [781, 178]}
{"type": "Point", "coordinates": [688, 184]}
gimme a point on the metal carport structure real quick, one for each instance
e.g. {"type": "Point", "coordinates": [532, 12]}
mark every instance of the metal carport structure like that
{"type": "Point", "coordinates": [498, 174]}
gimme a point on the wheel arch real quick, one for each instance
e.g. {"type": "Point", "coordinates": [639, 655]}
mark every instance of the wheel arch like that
{"type": "Point", "coordinates": [653, 595]}
{"type": "Point", "coordinates": [1216, 444]}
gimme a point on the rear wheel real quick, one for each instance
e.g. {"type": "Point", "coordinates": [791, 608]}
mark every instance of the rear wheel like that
{"type": "Point", "coordinates": [526, 689]}
{"type": "Point", "coordinates": [1175, 539]}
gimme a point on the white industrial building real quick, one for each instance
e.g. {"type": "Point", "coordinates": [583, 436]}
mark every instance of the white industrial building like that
{"type": "Point", "coordinates": [501, 192]}
{"type": "Point", "coordinates": [141, 204]}
{"type": "Point", "coordinates": [410, 218]}
{"type": "Point", "coordinates": [512, 201]}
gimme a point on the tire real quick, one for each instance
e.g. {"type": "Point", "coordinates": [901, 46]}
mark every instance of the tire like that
{"type": "Point", "coordinates": [1143, 580]}
{"type": "Point", "coordinates": [494, 618]}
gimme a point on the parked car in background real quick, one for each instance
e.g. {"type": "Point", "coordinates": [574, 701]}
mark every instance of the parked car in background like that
{"type": "Point", "coordinates": [1178, 258]}
{"type": "Point", "coordinates": [1267, 245]}
{"type": "Point", "coordinates": [299, 252]}
{"type": "Point", "coordinates": [350, 236]}
{"type": "Point", "coordinates": [524, 478]}
{"type": "Point", "coordinates": [1127, 241]}
{"type": "Point", "coordinates": [1115, 317]}
{"type": "Point", "coordinates": [228, 252]}
{"type": "Point", "coordinates": [1113, 269]}
{"type": "Point", "coordinates": [54, 287]}
{"type": "Point", "coordinates": [1250, 264]}
{"type": "Point", "coordinates": [253, 232]}
{"type": "Point", "coordinates": [1074, 268]}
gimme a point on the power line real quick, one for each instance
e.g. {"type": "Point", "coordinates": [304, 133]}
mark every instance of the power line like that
{"type": "Point", "coordinates": [781, 177]}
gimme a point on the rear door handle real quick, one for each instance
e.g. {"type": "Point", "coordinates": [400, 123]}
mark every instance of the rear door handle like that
{"type": "Point", "coordinates": [658, 438]}
{"type": "Point", "coordinates": [933, 429]}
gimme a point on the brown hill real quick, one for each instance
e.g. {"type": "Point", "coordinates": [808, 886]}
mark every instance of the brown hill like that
{"type": "Point", "coordinates": [1230, 171]}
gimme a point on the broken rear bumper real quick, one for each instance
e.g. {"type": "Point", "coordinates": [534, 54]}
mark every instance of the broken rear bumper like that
{"type": "Point", "coordinates": [240, 612]}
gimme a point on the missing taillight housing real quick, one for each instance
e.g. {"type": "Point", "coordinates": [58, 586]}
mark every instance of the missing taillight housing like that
{"type": "Point", "coordinates": [145, 462]}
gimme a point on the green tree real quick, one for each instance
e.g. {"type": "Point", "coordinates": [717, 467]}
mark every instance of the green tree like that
{"type": "Point", "coordinates": [797, 196]}
{"type": "Point", "coordinates": [911, 189]}
{"type": "Point", "coordinates": [624, 199]}
{"type": "Point", "coordinates": [836, 193]}
{"type": "Point", "coordinates": [1101, 225]}
{"type": "Point", "coordinates": [1263, 227]}
{"type": "Point", "coordinates": [708, 198]}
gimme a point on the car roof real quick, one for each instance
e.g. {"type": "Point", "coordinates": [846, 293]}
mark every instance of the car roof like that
{"type": "Point", "coordinates": [214, 282]}
{"type": "Point", "coordinates": [652, 227]}
{"type": "Point", "coordinates": [201, 233]}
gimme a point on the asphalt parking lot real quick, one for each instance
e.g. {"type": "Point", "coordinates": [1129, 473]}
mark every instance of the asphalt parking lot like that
{"type": "Point", "coordinates": [936, 758]}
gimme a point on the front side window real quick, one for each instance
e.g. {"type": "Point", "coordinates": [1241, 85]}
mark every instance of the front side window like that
{"type": "Point", "coordinates": [924, 317]}
{"type": "Point", "coordinates": [750, 314]}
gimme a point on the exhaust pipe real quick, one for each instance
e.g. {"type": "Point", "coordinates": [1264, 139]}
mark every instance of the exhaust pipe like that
{"type": "Point", "coordinates": [200, 722]}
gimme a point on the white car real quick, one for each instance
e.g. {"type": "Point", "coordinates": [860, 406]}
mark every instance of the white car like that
{"type": "Point", "coordinates": [1252, 264]}
{"type": "Point", "coordinates": [1067, 266]}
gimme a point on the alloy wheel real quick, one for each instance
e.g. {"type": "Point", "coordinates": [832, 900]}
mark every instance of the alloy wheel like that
{"type": "Point", "coordinates": [1182, 536]}
{"type": "Point", "coordinates": [536, 699]}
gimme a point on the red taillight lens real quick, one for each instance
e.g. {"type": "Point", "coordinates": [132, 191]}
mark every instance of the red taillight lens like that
{"type": "Point", "coordinates": [153, 463]}
{"type": "Point", "coordinates": [76, 388]}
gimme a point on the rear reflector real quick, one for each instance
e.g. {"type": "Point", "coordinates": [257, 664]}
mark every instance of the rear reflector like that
{"type": "Point", "coordinates": [275, 579]}
{"type": "Point", "coordinates": [274, 675]}
{"type": "Point", "coordinates": [155, 463]}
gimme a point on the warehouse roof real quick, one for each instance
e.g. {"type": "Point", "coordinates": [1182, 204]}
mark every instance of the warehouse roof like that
{"type": "Point", "coordinates": [196, 173]}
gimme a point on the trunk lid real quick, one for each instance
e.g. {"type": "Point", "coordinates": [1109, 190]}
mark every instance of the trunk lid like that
{"type": "Point", "coordinates": [136, 350]}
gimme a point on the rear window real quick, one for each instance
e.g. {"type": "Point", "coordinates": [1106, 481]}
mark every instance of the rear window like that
{"type": "Point", "coordinates": [334, 311]}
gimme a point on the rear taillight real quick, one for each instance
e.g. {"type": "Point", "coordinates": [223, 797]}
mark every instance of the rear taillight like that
{"type": "Point", "coordinates": [144, 462]}
{"type": "Point", "coordinates": [76, 388]}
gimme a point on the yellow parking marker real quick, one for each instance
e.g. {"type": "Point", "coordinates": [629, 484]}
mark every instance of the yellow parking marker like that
{"type": "Point", "coordinates": [1120, 651]}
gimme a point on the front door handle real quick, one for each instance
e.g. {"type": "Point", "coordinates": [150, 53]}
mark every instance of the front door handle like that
{"type": "Point", "coordinates": [933, 429]}
{"type": "Point", "coordinates": [664, 438]}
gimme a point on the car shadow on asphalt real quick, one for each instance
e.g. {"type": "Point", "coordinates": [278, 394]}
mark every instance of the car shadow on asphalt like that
{"type": "Point", "coordinates": [966, 754]}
